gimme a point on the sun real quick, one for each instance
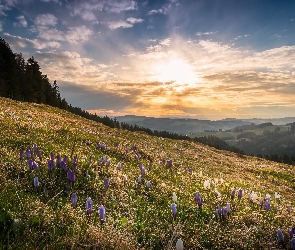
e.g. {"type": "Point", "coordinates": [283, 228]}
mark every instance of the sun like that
{"type": "Point", "coordinates": [175, 70]}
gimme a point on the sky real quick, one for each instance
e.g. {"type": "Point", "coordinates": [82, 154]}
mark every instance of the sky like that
{"type": "Point", "coordinates": [204, 59]}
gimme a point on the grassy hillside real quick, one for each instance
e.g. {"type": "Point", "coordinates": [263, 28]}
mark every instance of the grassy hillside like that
{"type": "Point", "coordinates": [136, 217]}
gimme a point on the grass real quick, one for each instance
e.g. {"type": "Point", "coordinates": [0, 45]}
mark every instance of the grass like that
{"type": "Point", "coordinates": [136, 217]}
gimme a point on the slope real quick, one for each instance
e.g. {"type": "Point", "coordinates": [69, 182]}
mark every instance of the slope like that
{"type": "Point", "coordinates": [39, 213]}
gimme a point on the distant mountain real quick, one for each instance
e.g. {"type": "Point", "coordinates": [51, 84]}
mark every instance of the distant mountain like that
{"type": "Point", "coordinates": [189, 126]}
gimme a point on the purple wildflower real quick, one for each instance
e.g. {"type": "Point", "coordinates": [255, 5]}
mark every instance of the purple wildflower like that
{"type": "Point", "coordinates": [89, 206]}
{"type": "Point", "coordinates": [198, 199]}
{"type": "Point", "coordinates": [119, 166]}
{"type": "Point", "coordinates": [30, 164]}
{"type": "Point", "coordinates": [36, 182]}
{"type": "Point", "coordinates": [233, 192]}
{"type": "Point", "coordinates": [289, 209]}
{"type": "Point", "coordinates": [21, 155]}
{"type": "Point", "coordinates": [74, 199]}
{"type": "Point", "coordinates": [28, 154]}
{"type": "Point", "coordinates": [280, 236]}
{"type": "Point", "coordinates": [102, 214]}
{"type": "Point", "coordinates": [267, 205]}
{"type": "Point", "coordinates": [240, 193]}
{"type": "Point", "coordinates": [174, 210]}
{"type": "Point", "coordinates": [292, 232]}
{"type": "Point", "coordinates": [169, 163]}
{"type": "Point", "coordinates": [35, 166]}
{"type": "Point", "coordinates": [139, 179]}
{"type": "Point", "coordinates": [71, 176]}
{"type": "Point", "coordinates": [140, 166]}
{"type": "Point", "coordinates": [142, 171]}
{"type": "Point", "coordinates": [148, 184]}
{"type": "Point", "coordinates": [106, 183]}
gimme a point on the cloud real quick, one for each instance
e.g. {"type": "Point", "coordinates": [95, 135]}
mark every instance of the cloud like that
{"type": "Point", "coordinates": [124, 24]}
{"type": "Point", "coordinates": [86, 8]}
{"type": "Point", "coordinates": [165, 42]}
{"type": "Point", "coordinates": [20, 43]}
{"type": "Point", "coordinates": [206, 33]}
{"type": "Point", "coordinates": [3, 9]}
{"type": "Point", "coordinates": [21, 22]}
{"type": "Point", "coordinates": [119, 24]}
{"type": "Point", "coordinates": [78, 34]}
{"type": "Point", "coordinates": [46, 20]}
{"type": "Point", "coordinates": [1, 26]}
{"type": "Point", "coordinates": [45, 27]}
{"type": "Point", "coordinates": [134, 20]}
{"type": "Point", "coordinates": [88, 15]}
{"type": "Point", "coordinates": [145, 3]}
{"type": "Point", "coordinates": [165, 8]}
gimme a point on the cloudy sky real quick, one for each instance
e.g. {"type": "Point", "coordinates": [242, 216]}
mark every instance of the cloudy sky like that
{"type": "Point", "coordinates": [207, 59]}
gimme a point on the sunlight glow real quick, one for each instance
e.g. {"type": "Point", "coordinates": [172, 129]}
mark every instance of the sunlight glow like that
{"type": "Point", "coordinates": [177, 71]}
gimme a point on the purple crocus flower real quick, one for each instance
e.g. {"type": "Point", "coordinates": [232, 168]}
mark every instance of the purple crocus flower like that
{"type": "Point", "coordinates": [292, 232]}
{"type": "Point", "coordinates": [148, 184]}
{"type": "Point", "coordinates": [233, 192]}
{"type": "Point", "coordinates": [280, 236]}
{"type": "Point", "coordinates": [28, 153]}
{"type": "Point", "coordinates": [50, 165]}
{"type": "Point", "coordinates": [174, 210]}
{"type": "Point", "coordinates": [21, 155]}
{"type": "Point", "coordinates": [119, 166]}
{"type": "Point", "coordinates": [139, 179]}
{"type": "Point", "coordinates": [140, 166]}
{"type": "Point", "coordinates": [198, 199]}
{"type": "Point", "coordinates": [30, 164]}
{"type": "Point", "coordinates": [267, 205]}
{"type": "Point", "coordinates": [106, 183]}
{"type": "Point", "coordinates": [108, 163]}
{"type": "Point", "coordinates": [71, 176]}
{"type": "Point", "coordinates": [169, 163]}
{"type": "Point", "coordinates": [63, 166]}
{"type": "Point", "coordinates": [35, 166]}
{"type": "Point", "coordinates": [89, 206]}
{"type": "Point", "coordinates": [240, 193]}
{"type": "Point", "coordinates": [102, 214]}
{"type": "Point", "coordinates": [36, 182]}
{"type": "Point", "coordinates": [65, 159]}
{"type": "Point", "coordinates": [74, 199]}
{"type": "Point", "coordinates": [142, 171]}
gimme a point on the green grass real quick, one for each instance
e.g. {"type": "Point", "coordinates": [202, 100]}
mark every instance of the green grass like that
{"type": "Point", "coordinates": [136, 218]}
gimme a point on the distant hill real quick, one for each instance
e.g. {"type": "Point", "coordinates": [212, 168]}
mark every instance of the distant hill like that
{"type": "Point", "coordinates": [191, 126]}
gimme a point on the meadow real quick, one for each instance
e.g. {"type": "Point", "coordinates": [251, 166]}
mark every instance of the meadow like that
{"type": "Point", "coordinates": [71, 183]}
